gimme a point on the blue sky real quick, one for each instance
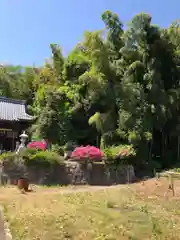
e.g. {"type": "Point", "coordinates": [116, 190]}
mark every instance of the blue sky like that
{"type": "Point", "coordinates": [29, 26]}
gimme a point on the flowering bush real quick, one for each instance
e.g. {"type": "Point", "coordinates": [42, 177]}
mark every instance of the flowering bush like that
{"type": "Point", "coordinates": [38, 145]}
{"type": "Point", "coordinates": [90, 152]}
{"type": "Point", "coordinates": [120, 151]}
{"type": "Point", "coordinates": [123, 154]}
{"type": "Point", "coordinates": [126, 151]}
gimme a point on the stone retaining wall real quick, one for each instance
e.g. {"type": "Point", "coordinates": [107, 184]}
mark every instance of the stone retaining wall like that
{"type": "Point", "coordinates": [69, 173]}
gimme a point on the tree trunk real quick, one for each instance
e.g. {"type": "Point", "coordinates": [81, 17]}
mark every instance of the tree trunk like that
{"type": "Point", "coordinates": [178, 143]}
{"type": "Point", "coordinates": [150, 150]}
{"type": "Point", "coordinates": [162, 144]}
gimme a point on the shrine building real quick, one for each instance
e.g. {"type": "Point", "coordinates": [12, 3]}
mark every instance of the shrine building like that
{"type": "Point", "coordinates": [13, 121]}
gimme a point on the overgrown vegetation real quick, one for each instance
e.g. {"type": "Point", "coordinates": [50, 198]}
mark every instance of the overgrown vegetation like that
{"type": "Point", "coordinates": [33, 157]}
{"type": "Point", "coordinates": [121, 89]}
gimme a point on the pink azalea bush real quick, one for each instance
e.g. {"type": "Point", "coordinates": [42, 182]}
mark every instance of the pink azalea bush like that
{"type": "Point", "coordinates": [38, 145]}
{"type": "Point", "coordinates": [87, 152]}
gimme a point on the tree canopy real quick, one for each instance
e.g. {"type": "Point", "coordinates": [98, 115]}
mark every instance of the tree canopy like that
{"type": "Point", "coordinates": [117, 85]}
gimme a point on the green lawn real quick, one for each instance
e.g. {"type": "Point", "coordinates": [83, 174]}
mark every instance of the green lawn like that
{"type": "Point", "coordinates": [122, 212]}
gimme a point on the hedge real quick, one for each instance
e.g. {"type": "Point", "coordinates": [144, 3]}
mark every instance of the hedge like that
{"type": "Point", "coordinates": [33, 157]}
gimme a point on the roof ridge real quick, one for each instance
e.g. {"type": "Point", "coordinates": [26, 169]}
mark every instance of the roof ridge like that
{"type": "Point", "coordinates": [11, 100]}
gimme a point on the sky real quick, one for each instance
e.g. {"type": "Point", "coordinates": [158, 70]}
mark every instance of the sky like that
{"type": "Point", "coordinates": [29, 26]}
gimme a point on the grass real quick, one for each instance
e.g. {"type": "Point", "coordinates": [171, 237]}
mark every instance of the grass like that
{"type": "Point", "coordinates": [122, 212]}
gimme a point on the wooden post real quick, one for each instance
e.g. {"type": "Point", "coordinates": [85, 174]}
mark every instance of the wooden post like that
{"type": "Point", "coordinates": [172, 185]}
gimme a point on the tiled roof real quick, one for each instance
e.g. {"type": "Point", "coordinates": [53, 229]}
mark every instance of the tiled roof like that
{"type": "Point", "coordinates": [13, 110]}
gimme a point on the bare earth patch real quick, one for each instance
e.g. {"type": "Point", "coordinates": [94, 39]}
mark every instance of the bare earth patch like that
{"type": "Point", "coordinates": [122, 212]}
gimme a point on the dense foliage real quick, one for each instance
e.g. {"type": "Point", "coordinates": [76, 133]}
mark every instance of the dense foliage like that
{"type": "Point", "coordinates": [122, 88]}
{"type": "Point", "coordinates": [33, 157]}
{"type": "Point", "coordinates": [121, 151]}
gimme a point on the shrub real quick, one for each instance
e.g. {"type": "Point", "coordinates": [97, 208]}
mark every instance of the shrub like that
{"type": "Point", "coordinates": [45, 158]}
{"type": "Point", "coordinates": [58, 149]}
{"type": "Point", "coordinates": [124, 153]}
{"type": "Point", "coordinates": [111, 152]}
{"type": "Point", "coordinates": [177, 170]}
{"type": "Point", "coordinates": [119, 151]}
{"type": "Point", "coordinates": [11, 156]}
{"type": "Point", "coordinates": [88, 152]}
{"type": "Point", "coordinates": [27, 152]}
{"type": "Point", "coordinates": [33, 157]}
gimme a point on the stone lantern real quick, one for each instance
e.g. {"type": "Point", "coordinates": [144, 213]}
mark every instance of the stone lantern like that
{"type": "Point", "coordinates": [23, 139]}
